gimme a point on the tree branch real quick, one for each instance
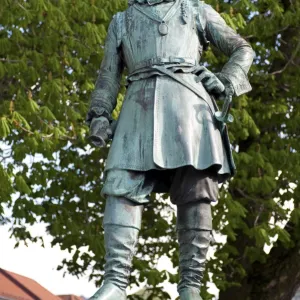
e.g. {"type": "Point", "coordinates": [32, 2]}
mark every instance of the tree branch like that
{"type": "Point", "coordinates": [291, 60]}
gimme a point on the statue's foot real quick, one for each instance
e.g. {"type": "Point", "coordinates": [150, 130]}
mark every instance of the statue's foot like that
{"type": "Point", "coordinates": [189, 294]}
{"type": "Point", "coordinates": [109, 291]}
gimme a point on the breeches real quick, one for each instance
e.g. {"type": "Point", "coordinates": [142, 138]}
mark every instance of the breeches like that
{"type": "Point", "coordinates": [185, 184]}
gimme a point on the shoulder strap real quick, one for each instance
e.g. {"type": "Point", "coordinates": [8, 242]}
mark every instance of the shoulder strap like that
{"type": "Point", "coordinates": [200, 18]}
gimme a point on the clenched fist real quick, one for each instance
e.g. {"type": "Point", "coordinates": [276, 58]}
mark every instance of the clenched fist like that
{"type": "Point", "coordinates": [209, 80]}
{"type": "Point", "coordinates": [100, 131]}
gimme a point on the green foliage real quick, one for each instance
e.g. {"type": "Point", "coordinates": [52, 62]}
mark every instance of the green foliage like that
{"type": "Point", "coordinates": [266, 136]}
{"type": "Point", "coordinates": [50, 52]}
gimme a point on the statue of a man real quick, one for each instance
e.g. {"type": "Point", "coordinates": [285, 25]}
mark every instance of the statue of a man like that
{"type": "Point", "coordinates": [167, 138]}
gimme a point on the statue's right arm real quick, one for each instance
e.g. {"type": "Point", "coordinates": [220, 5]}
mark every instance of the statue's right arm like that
{"type": "Point", "coordinates": [104, 96]}
{"type": "Point", "coordinates": [238, 50]}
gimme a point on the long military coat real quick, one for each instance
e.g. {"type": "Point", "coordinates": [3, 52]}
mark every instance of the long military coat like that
{"type": "Point", "coordinates": [163, 124]}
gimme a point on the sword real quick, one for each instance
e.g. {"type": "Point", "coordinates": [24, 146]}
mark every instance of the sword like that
{"type": "Point", "coordinates": [224, 116]}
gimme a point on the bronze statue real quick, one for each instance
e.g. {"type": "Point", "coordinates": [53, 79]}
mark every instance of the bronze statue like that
{"type": "Point", "coordinates": [170, 136]}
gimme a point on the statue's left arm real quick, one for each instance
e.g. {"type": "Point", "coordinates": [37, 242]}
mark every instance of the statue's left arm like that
{"type": "Point", "coordinates": [240, 53]}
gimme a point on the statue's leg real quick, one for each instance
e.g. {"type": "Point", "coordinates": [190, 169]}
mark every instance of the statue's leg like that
{"type": "Point", "coordinates": [122, 222]}
{"type": "Point", "coordinates": [194, 232]}
{"type": "Point", "coordinates": [126, 194]}
{"type": "Point", "coordinates": [192, 191]}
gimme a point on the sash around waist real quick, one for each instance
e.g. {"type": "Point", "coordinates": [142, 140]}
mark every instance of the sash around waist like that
{"type": "Point", "coordinates": [170, 71]}
{"type": "Point", "coordinates": [166, 61]}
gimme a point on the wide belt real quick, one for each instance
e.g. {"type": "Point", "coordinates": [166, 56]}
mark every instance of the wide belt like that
{"type": "Point", "coordinates": [148, 63]}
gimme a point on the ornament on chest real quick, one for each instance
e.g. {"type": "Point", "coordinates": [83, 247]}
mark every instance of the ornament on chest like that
{"type": "Point", "coordinates": [160, 17]}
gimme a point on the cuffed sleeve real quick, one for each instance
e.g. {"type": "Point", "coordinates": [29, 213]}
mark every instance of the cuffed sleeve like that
{"type": "Point", "coordinates": [104, 96]}
{"type": "Point", "coordinates": [232, 45]}
{"type": "Point", "coordinates": [229, 89]}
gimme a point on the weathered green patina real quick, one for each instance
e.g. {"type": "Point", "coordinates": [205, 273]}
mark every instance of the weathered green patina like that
{"type": "Point", "coordinates": [168, 122]}
{"type": "Point", "coordinates": [158, 127]}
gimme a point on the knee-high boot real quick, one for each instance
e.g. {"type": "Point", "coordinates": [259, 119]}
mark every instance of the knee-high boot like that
{"type": "Point", "coordinates": [122, 222]}
{"type": "Point", "coordinates": [194, 225]}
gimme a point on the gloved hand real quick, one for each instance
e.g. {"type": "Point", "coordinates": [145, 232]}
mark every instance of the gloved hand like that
{"type": "Point", "coordinates": [209, 80]}
{"type": "Point", "coordinates": [100, 131]}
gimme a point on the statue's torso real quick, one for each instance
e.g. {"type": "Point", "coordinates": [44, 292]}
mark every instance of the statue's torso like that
{"type": "Point", "coordinates": [141, 39]}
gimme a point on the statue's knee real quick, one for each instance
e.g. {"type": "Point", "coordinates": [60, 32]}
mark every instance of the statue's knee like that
{"type": "Point", "coordinates": [194, 215]}
{"type": "Point", "coordinates": [124, 212]}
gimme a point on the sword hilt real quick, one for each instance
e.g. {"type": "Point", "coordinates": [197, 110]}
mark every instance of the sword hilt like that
{"type": "Point", "coordinates": [224, 116]}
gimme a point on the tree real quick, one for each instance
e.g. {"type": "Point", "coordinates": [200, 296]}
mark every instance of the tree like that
{"type": "Point", "coordinates": [50, 51]}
